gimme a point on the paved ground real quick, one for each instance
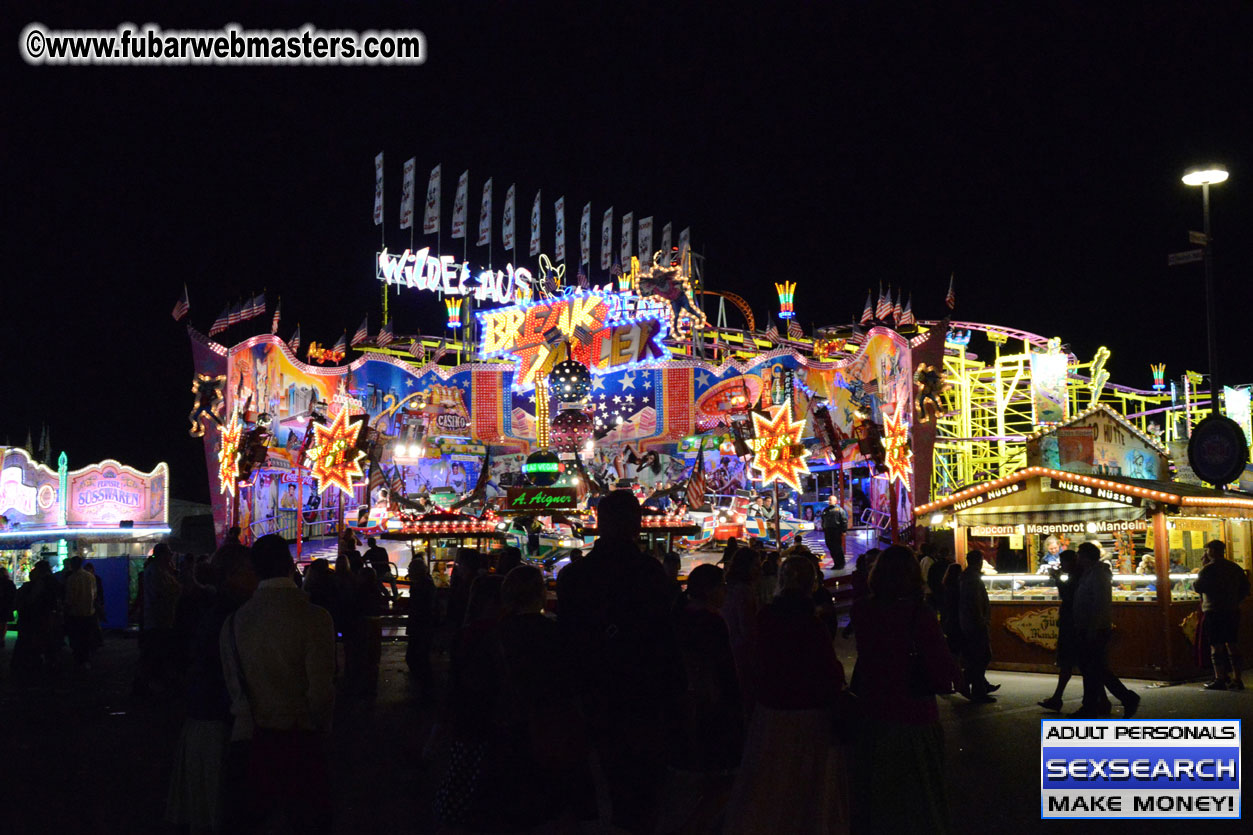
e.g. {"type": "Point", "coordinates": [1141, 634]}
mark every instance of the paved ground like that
{"type": "Point", "coordinates": [76, 756]}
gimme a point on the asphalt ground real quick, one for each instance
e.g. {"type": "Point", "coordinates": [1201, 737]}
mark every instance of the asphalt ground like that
{"type": "Point", "coordinates": [78, 756]}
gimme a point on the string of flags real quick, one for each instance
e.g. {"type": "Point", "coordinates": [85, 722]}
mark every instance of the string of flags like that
{"type": "Point", "coordinates": [630, 245]}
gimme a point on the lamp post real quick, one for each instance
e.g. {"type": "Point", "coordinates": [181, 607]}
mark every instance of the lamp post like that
{"type": "Point", "coordinates": [1205, 176]}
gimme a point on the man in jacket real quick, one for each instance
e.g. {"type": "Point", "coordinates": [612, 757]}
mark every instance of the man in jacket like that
{"type": "Point", "coordinates": [1222, 585]}
{"type": "Point", "coordinates": [614, 614]}
{"type": "Point", "coordinates": [1093, 624]}
{"type": "Point", "coordinates": [278, 658]}
{"type": "Point", "coordinates": [834, 524]}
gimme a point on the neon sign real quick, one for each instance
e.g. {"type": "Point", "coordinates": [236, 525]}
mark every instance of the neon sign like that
{"type": "Point", "coordinates": [228, 455]}
{"type": "Point", "coordinates": [109, 492]}
{"type": "Point", "coordinates": [333, 457]}
{"type": "Point", "coordinates": [897, 456]}
{"type": "Point", "coordinates": [422, 271]}
{"type": "Point", "coordinates": [317, 353]}
{"type": "Point", "coordinates": [780, 455]}
{"type": "Point", "coordinates": [787, 299]}
{"type": "Point", "coordinates": [601, 329]}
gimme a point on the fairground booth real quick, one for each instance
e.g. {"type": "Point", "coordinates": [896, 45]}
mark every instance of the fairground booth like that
{"type": "Point", "coordinates": [108, 513]}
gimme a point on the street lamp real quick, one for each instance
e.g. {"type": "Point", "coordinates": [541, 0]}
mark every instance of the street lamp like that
{"type": "Point", "coordinates": [1205, 176]}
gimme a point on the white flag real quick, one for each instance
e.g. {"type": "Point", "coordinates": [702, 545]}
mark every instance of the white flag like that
{"type": "Point", "coordinates": [378, 189]}
{"type": "Point", "coordinates": [535, 224]}
{"type": "Point", "coordinates": [430, 220]}
{"type": "Point", "coordinates": [685, 242]}
{"type": "Point", "coordinates": [406, 195]}
{"type": "Point", "coordinates": [585, 236]}
{"type": "Point", "coordinates": [459, 205]}
{"type": "Point", "coordinates": [626, 248]}
{"type": "Point", "coordinates": [646, 240]}
{"type": "Point", "coordinates": [559, 230]}
{"type": "Point", "coordinates": [665, 244]}
{"type": "Point", "coordinates": [485, 215]}
{"type": "Point", "coordinates": [606, 239]}
{"type": "Point", "coordinates": [506, 220]}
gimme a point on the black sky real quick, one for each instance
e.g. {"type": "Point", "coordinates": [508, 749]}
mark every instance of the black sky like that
{"type": "Point", "coordinates": [1034, 151]}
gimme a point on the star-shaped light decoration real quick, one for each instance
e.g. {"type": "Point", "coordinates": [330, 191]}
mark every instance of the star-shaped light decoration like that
{"type": "Point", "coordinates": [333, 457]}
{"type": "Point", "coordinates": [228, 455]}
{"type": "Point", "coordinates": [780, 455]}
{"type": "Point", "coordinates": [897, 456]}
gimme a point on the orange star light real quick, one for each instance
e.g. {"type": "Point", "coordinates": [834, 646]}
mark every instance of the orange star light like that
{"type": "Point", "coordinates": [897, 455]}
{"type": "Point", "coordinates": [333, 456]}
{"type": "Point", "coordinates": [228, 455]}
{"type": "Point", "coordinates": [777, 443]}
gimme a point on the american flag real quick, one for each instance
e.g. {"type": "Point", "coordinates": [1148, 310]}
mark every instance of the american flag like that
{"type": "Point", "coordinates": [772, 332]}
{"type": "Point", "coordinates": [376, 477]}
{"type": "Point", "coordinates": [794, 330]}
{"type": "Point", "coordinates": [278, 311]}
{"type": "Point", "coordinates": [342, 345]}
{"type": "Point", "coordinates": [896, 308]}
{"type": "Point", "coordinates": [416, 350]}
{"type": "Point", "coordinates": [695, 493]}
{"type": "Point", "coordinates": [951, 298]}
{"type": "Point", "coordinates": [181, 307]}
{"type": "Point", "coordinates": [397, 483]}
{"type": "Point", "coordinates": [236, 314]}
{"type": "Point", "coordinates": [439, 352]}
{"type": "Point", "coordinates": [385, 336]}
{"type": "Point", "coordinates": [907, 315]}
{"type": "Point", "coordinates": [884, 308]}
{"type": "Point", "coordinates": [363, 332]}
{"type": "Point", "coordinates": [256, 307]}
{"type": "Point", "coordinates": [582, 279]}
{"type": "Point", "coordinates": [867, 312]}
{"type": "Point", "coordinates": [294, 344]}
{"type": "Point", "coordinates": [222, 322]}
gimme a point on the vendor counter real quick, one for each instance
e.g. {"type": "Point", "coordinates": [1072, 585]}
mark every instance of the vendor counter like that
{"type": "Point", "coordinates": [1144, 644]}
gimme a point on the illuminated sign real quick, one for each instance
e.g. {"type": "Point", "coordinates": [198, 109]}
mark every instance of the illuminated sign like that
{"type": "Point", "coordinates": [988, 496]}
{"type": "Point", "coordinates": [1049, 403]}
{"type": "Point", "coordinates": [1100, 526]}
{"type": "Point", "coordinates": [780, 455]}
{"type": "Point", "coordinates": [897, 456]}
{"type": "Point", "coordinates": [228, 455]}
{"type": "Point", "coordinates": [542, 498]}
{"type": "Point", "coordinates": [318, 354]}
{"type": "Point", "coordinates": [602, 329]}
{"type": "Point", "coordinates": [333, 458]}
{"type": "Point", "coordinates": [787, 299]}
{"type": "Point", "coordinates": [1095, 492]}
{"type": "Point", "coordinates": [109, 492]}
{"type": "Point", "coordinates": [14, 494]}
{"type": "Point", "coordinates": [442, 274]}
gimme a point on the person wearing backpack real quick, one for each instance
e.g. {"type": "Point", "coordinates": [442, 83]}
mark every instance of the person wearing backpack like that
{"type": "Point", "coordinates": [834, 524]}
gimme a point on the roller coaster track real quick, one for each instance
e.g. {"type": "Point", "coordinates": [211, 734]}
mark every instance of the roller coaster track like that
{"type": "Point", "coordinates": [739, 302]}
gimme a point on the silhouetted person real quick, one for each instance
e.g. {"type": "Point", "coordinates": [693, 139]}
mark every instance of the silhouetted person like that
{"type": "Point", "coordinates": [834, 524]}
{"type": "Point", "coordinates": [1222, 585]}
{"type": "Point", "coordinates": [902, 663]}
{"type": "Point", "coordinates": [377, 558]}
{"type": "Point", "coordinates": [786, 781]}
{"type": "Point", "coordinates": [420, 628]}
{"type": "Point", "coordinates": [975, 617]}
{"type": "Point", "coordinates": [1093, 623]}
{"type": "Point", "coordinates": [80, 610]}
{"type": "Point", "coordinates": [613, 609]}
{"type": "Point", "coordinates": [278, 659]}
{"type": "Point", "coordinates": [38, 607]}
{"type": "Point", "coordinates": [198, 788]}
{"type": "Point", "coordinates": [157, 643]}
{"type": "Point", "coordinates": [1065, 576]}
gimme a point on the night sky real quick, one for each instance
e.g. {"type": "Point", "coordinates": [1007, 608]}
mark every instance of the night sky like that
{"type": "Point", "coordinates": [1036, 154]}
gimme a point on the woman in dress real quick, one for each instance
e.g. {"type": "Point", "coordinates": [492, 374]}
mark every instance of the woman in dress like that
{"type": "Point", "coordinates": [902, 661]}
{"type": "Point", "coordinates": [790, 771]}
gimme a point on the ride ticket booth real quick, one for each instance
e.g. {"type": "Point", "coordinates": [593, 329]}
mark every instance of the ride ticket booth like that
{"type": "Point", "coordinates": [1152, 532]}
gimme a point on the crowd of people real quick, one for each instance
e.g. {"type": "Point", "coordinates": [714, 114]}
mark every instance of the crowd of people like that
{"type": "Point", "coordinates": [730, 682]}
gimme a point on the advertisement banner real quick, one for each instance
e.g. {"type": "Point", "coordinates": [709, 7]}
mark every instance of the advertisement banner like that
{"type": "Point", "coordinates": [1049, 403]}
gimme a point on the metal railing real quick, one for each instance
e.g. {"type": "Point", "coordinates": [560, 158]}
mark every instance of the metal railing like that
{"type": "Point", "coordinates": [317, 524]}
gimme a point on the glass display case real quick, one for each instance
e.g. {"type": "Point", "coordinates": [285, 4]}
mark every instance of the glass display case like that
{"type": "Point", "coordinates": [1127, 587]}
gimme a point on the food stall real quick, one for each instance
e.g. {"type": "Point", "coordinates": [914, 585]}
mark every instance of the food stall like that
{"type": "Point", "coordinates": [1152, 531]}
{"type": "Point", "coordinates": [108, 513]}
